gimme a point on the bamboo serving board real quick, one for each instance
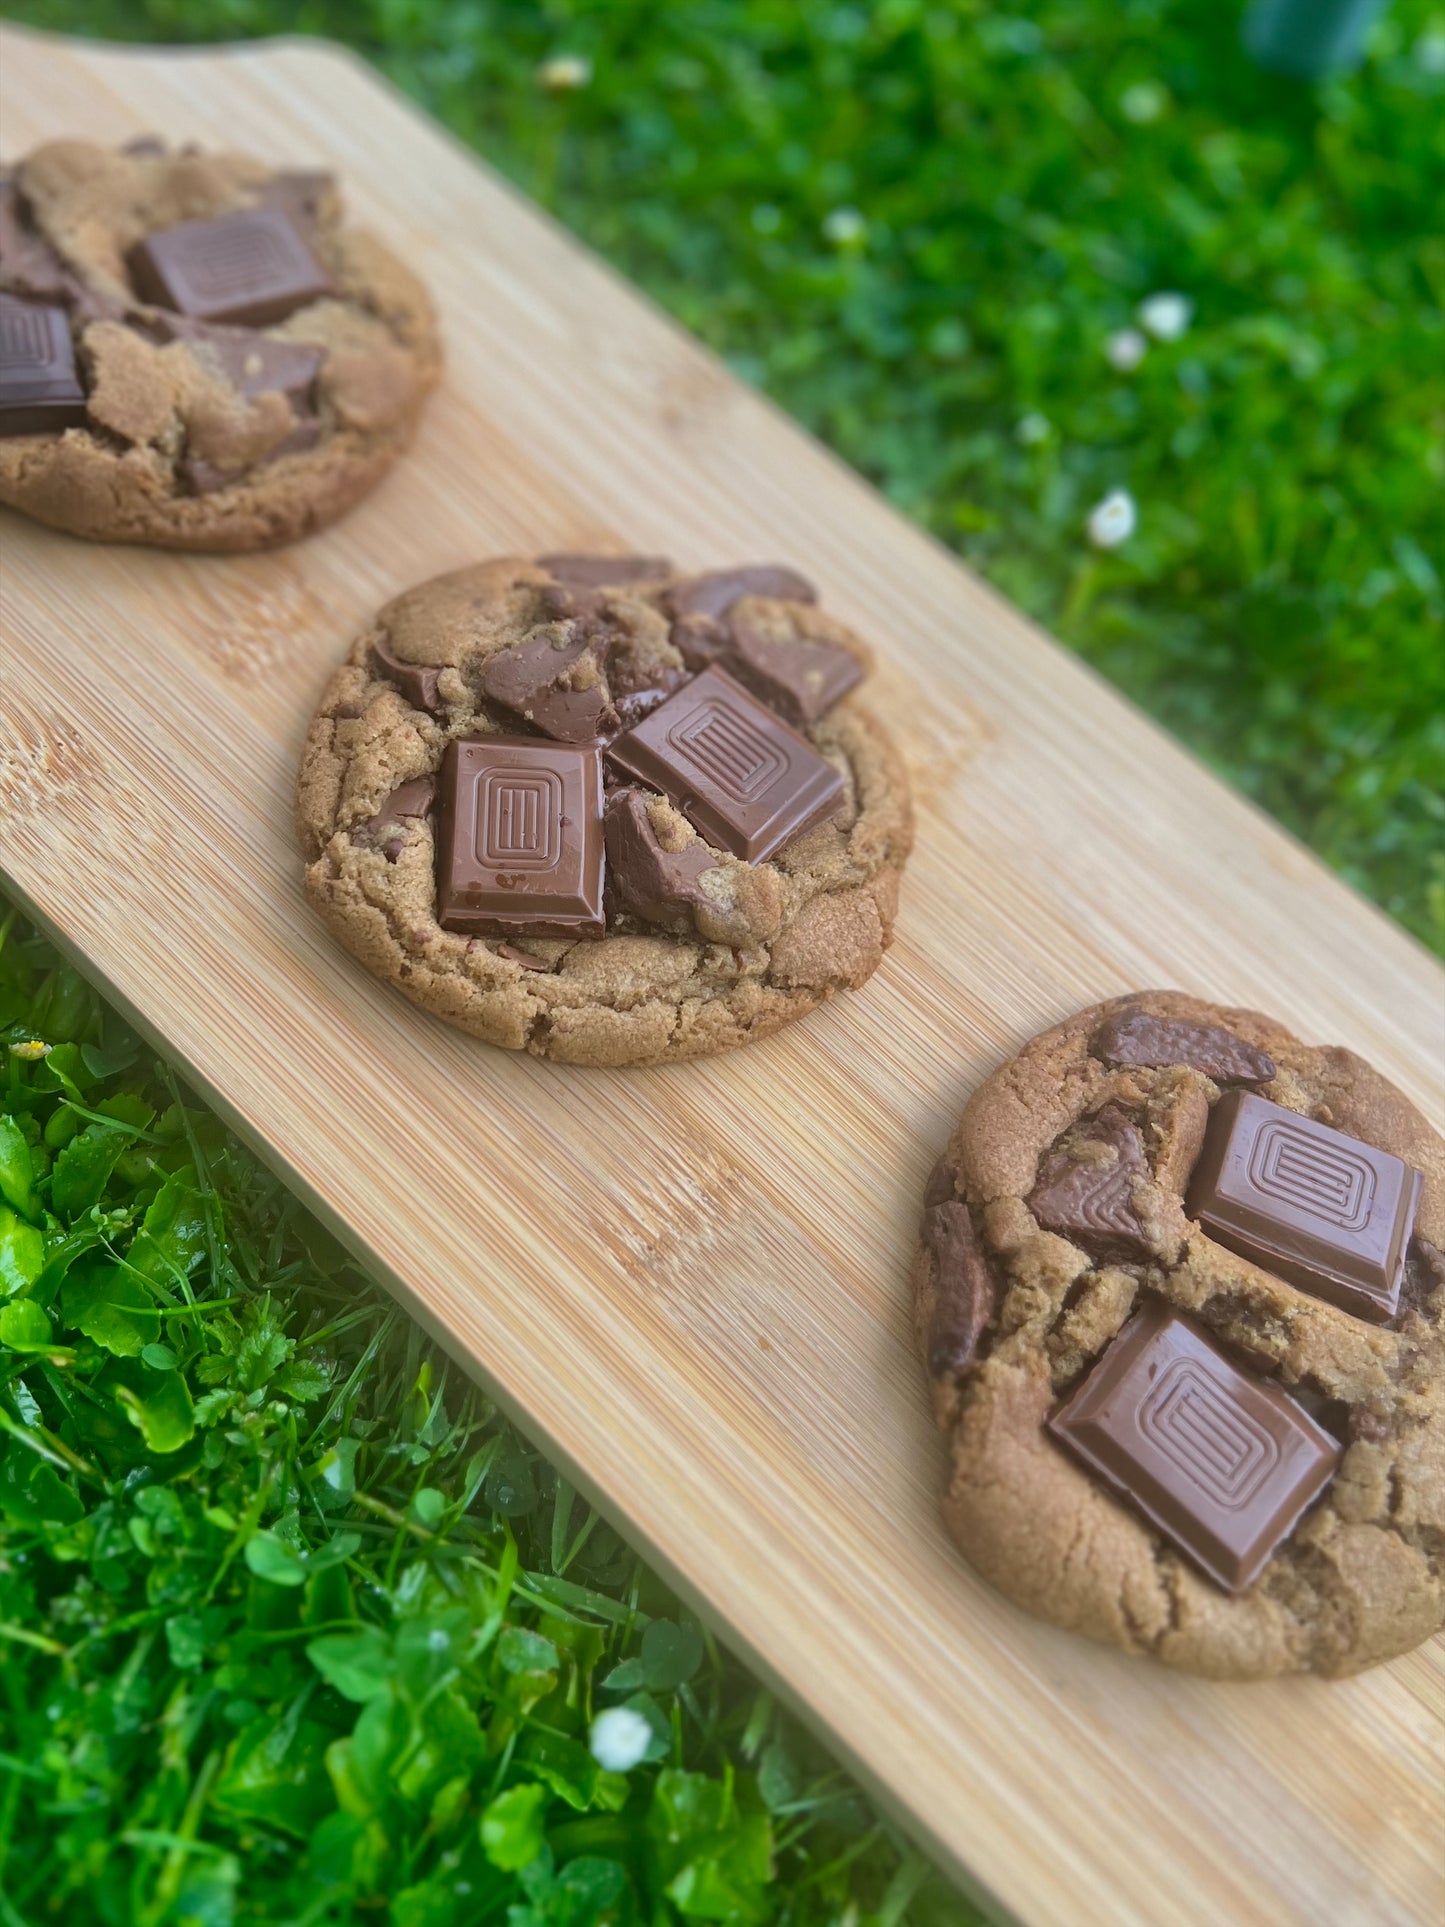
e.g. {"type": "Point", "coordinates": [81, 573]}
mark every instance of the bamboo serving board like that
{"type": "Point", "coordinates": [690, 1283]}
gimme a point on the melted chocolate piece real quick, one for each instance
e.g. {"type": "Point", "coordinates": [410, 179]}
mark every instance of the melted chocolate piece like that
{"type": "Point", "coordinates": [251, 268]}
{"type": "Point", "coordinates": [411, 800]}
{"type": "Point", "coordinates": [1089, 1200]}
{"type": "Point", "coordinates": [965, 1294]}
{"type": "Point", "coordinates": [519, 845]}
{"type": "Point", "coordinates": [40, 388]}
{"type": "Point", "coordinates": [658, 885]}
{"type": "Point", "coordinates": [600, 571]}
{"type": "Point", "coordinates": [144, 146]}
{"type": "Point", "coordinates": [741, 777]}
{"type": "Point", "coordinates": [1137, 1038]}
{"type": "Point", "coordinates": [1223, 1464]}
{"type": "Point", "coordinates": [713, 594]}
{"type": "Point", "coordinates": [800, 678]}
{"type": "Point", "coordinates": [33, 270]}
{"type": "Point", "coordinates": [939, 1188]}
{"type": "Point", "coordinates": [1324, 1211]}
{"type": "Point", "coordinates": [534, 679]}
{"type": "Point", "coordinates": [523, 958]}
{"type": "Point", "coordinates": [251, 362]}
{"type": "Point", "coordinates": [416, 681]}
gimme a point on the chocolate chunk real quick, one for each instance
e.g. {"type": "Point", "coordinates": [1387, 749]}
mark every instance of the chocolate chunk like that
{"type": "Point", "coordinates": [1087, 1196]}
{"type": "Point", "coordinates": [599, 571]}
{"type": "Point", "coordinates": [940, 1187]}
{"type": "Point", "coordinates": [713, 594]}
{"type": "Point", "coordinates": [658, 885]}
{"type": "Point", "coordinates": [700, 641]}
{"type": "Point", "coordinates": [964, 1290]}
{"type": "Point", "coordinates": [411, 800]}
{"type": "Point", "coordinates": [1135, 1037]}
{"type": "Point", "coordinates": [741, 777]}
{"type": "Point", "coordinates": [519, 849]}
{"type": "Point", "coordinates": [144, 146]}
{"type": "Point", "coordinates": [33, 270]}
{"type": "Point", "coordinates": [417, 681]}
{"type": "Point", "coordinates": [40, 390]}
{"type": "Point", "coordinates": [536, 679]}
{"type": "Point", "coordinates": [523, 958]}
{"type": "Point", "coordinates": [250, 362]}
{"type": "Point", "coordinates": [1319, 1209]}
{"type": "Point", "coordinates": [800, 678]}
{"type": "Point", "coordinates": [251, 268]}
{"type": "Point", "coordinates": [1222, 1463]}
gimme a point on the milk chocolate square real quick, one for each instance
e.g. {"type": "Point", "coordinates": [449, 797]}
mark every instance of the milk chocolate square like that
{"type": "Point", "coordinates": [1222, 1463]}
{"type": "Point", "coordinates": [1321, 1210]}
{"type": "Point", "coordinates": [519, 844]}
{"type": "Point", "coordinates": [40, 391]}
{"type": "Point", "coordinates": [740, 776]}
{"type": "Point", "coordinates": [251, 268]}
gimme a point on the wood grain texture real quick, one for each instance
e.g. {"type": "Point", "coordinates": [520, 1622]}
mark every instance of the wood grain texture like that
{"type": "Point", "coordinates": [690, 1283]}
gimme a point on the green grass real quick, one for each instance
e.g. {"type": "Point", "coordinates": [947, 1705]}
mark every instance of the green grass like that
{"type": "Point", "coordinates": [917, 223]}
{"type": "Point", "coordinates": [295, 1628]}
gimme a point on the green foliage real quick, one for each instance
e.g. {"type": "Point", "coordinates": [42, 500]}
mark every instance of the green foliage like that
{"type": "Point", "coordinates": [917, 223]}
{"type": "Point", "coordinates": [294, 1628]}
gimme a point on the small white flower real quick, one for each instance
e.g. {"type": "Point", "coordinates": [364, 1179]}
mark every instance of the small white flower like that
{"type": "Point", "coordinates": [1166, 316]}
{"type": "Point", "coordinates": [1430, 51]}
{"type": "Point", "coordinates": [1146, 100]}
{"type": "Point", "coordinates": [1033, 428]}
{"type": "Point", "coordinates": [565, 73]}
{"type": "Point", "coordinates": [845, 227]}
{"type": "Point", "coordinates": [1126, 348]}
{"type": "Point", "coordinates": [619, 1739]}
{"type": "Point", "coordinates": [1113, 520]}
{"type": "Point", "coordinates": [30, 1050]}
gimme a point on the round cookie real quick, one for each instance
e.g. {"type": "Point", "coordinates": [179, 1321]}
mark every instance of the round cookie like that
{"type": "Point", "coordinates": [1060, 1210]}
{"type": "Point", "coordinates": [218, 362]}
{"type": "Point", "coordinates": [702, 937]}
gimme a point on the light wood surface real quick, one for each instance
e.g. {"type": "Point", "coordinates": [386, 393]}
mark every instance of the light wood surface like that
{"type": "Point", "coordinates": [690, 1284]}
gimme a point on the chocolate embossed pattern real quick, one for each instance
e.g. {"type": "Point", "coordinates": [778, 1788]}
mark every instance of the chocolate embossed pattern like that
{"type": "Point", "coordinates": [628, 854]}
{"type": "Point", "coordinates": [1152, 1292]}
{"type": "Point", "coordinates": [228, 365]}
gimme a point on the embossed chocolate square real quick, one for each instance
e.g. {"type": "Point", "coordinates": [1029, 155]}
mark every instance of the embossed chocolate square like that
{"type": "Point", "coordinates": [519, 842]}
{"type": "Point", "coordinates": [1222, 1463]}
{"type": "Point", "coordinates": [739, 774]}
{"type": "Point", "coordinates": [1321, 1210]}
{"type": "Point", "coordinates": [40, 391]}
{"type": "Point", "coordinates": [250, 268]}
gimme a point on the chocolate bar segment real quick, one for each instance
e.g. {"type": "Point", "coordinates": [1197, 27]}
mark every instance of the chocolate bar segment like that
{"type": "Point", "coordinates": [40, 391]}
{"type": "Point", "coordinates": [1222, 1463]}
{"type": "Point", "coordinates": [519, 844]}
{"type": "Point", "coordinates": [1321, 1210]}
{"type": "Point", "coordinates": [251, 268]}
{"type": "Point", "coordinates": [740, 776]}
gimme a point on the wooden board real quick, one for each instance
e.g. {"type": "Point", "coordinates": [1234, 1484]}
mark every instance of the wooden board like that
{"type": "Point", "coordinates": [691, 1283]}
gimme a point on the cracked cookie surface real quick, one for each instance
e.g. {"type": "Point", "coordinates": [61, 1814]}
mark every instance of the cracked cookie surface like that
{"type": "Point", "coordinates": [200, 434]}
{"type": "Point", "coordinates": [1057, 1211]}
{"type": "Point", "coordinates": [703, 950]}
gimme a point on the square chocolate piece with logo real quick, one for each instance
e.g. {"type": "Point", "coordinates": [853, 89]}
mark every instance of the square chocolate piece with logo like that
{"type": "Point", "coordinates": [1222, 1463]}
{"type": "Point", "coordinates": [1321, 1210]}
{"type": "Point", "coordinates": [519, 839]}
{"type": "Point", "coordinates": [739, 774]}
{"type": "Point", "coordinates": [40, 391]}
{"type": "Point", "coordinates": [250, 268]}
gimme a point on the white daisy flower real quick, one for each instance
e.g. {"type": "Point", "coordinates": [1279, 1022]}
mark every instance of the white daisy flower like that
{"type": "Point", "coordinates": [619, 1739]}
{"type": "Point", "coordinates": [565, 73]}
{"type": "Point", "coordinates": [1113, 520]}
{"type": "Point", "coordinates": [1166, 316]}
{"type": "Point", "coordinates": [1126, 348]}
{"type": "Point", "coordinates": [845, 227]}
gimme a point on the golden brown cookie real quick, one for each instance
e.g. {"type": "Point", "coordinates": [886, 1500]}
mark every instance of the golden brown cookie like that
{"type": "Point", "coordinates": [1094, 1352]}
{"type": "Point", "coordinates": [609, 813]}
{"type": "Point", "coordinates": [198, 353]}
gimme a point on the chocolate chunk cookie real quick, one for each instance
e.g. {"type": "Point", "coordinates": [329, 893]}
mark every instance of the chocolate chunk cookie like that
{"type": "Point", "coordinates": [194, 351]}
{"type": "Point", "coordinates": [1180, 1293]}
{"type": "Point", "coordinates": [597, 809]}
